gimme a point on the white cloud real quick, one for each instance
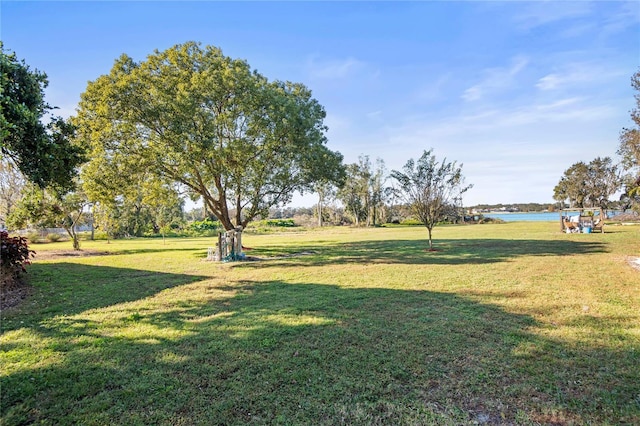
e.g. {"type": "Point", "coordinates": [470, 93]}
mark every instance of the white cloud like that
{"type": "Point", "coordinates": [579, 73]}
{"type": "Point", "coordinates": [433, 90]}
{"type": "Point", "coordinates": [333, 69]}
{"type": "Point", "coordinates": [542, 13]}
{"type": "Point", "coordinates": [628, 15]}
{"type": "Point", "coordinates": [496, 80]}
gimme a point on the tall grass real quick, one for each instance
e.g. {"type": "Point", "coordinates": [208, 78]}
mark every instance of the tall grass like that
{"type": "Point", "coordinates": [513, 323]}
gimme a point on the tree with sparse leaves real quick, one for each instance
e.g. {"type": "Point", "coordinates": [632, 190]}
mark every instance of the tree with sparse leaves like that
{"type": "Point", "coordinates": [429, 187]}
{"type": "Point", "coordinates": [193, 116]}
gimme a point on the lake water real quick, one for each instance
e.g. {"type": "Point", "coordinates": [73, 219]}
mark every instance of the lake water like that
{"type": "Point", "coordinates": [528, 217]}
{"type": "Point", "coordinates": [534, 217]}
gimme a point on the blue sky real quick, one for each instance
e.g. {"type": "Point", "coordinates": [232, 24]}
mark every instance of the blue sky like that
{"type": "Point", "coordinates": [516, 91]}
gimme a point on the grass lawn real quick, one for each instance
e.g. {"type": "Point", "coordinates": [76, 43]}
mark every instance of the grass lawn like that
{"type": "Point", "coordinates": [509, 323]}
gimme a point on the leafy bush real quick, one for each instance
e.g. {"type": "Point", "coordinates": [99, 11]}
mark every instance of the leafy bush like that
{"type": "Point", "coordinates": [14, 255]}
{"type": "Point", "coordinates": [205, 227]}
{"type": "Point", "coordinates": [283, 223]}
{"type": "Point", "coordinates": [411, 222]}
{"type": "Point", "coordinates": [100, 235]}
{"type": "Point", "coordinates": [54, 237]}
{"type": "Point", "coordinates": [33, 237]}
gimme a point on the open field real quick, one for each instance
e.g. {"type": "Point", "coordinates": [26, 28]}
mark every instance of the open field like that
{"type": "Point", "coordinates": [505, 324]}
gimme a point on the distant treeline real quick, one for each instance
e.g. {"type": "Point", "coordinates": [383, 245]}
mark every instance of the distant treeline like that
{"type": "Point", "coordinates": [534, 207]}
{"type": "Point", "coordinates": [523, 207]}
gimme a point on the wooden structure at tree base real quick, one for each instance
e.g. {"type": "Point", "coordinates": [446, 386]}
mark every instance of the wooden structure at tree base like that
{"type": "Point", "coordinates": [584, 220]}
{"type": "Point", "coordinates": [229, 247]}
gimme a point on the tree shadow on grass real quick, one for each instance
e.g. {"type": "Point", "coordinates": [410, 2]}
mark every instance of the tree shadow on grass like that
{"type": "Point", "coordinates": [69, 288]}
{"type": "Point", "coordinates": [447, 252]}
{"type": "Point", "coordinates": [281, 353]}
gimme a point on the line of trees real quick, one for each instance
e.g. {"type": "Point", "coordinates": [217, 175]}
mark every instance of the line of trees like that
{"type": "Point", "coordinates": [189, 121]}
{"type": "Point", "coordinates": [192, 122]}
{"type": "Point", "coordinates": [593, 184]}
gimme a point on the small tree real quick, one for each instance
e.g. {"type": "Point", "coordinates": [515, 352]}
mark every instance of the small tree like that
{"type": "Point", "coordinates": [363, 192]}
{"type": "Point", "coordinates": [46, 208]}
{"type": "Point", "coordinates": [354, 192]}
{"type": "Point", "coordinates": [429, 187]}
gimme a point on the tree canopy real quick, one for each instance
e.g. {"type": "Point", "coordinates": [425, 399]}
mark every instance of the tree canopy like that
{"type": "Point", "coordinates": [363, 192]}
{"type": "Point", "coordinates": [43, 153]}
{"type": "Point", "coordinates": [630, 150]}
{"type": "Point", "coordinates": [430, 187]}
{"type": "Point", "coordinates": [224, 132]}
{"type": "Point", "coordinates": [588, 185]}
{"type": "Point", "coordinates": [42, 208]}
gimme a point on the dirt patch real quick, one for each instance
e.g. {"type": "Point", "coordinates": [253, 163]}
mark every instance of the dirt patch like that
{"type": "Point", "coordinates": [61, 254]}
{"type": "Point", "coordinates": [14, 293]}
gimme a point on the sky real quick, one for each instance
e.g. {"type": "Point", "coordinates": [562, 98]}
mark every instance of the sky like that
{"type": "Point", "coordinates": [515, 91]}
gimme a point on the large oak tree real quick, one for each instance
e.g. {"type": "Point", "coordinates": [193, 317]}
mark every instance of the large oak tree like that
{"type": "Point", "coordinates": [194, 116]}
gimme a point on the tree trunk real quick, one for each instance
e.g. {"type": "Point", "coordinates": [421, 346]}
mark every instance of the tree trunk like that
{"type": "Point", "coordinates": [74, 237]}
{"type": "Point", "coordinates": [430, 240]}
{"type": "Point", "coordinates": [93, 228]}
{"type": "Point", "coordinates": [238, 211]}
{"type": "Point", "coordinates": [374, 215]}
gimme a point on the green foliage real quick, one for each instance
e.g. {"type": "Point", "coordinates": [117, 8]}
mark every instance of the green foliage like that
{"type": "Point", "coordinates": [430, 187]}
{"type": "Point", "coordinates": [522, 207]}
{"type": "Point", "coordinates": [630, 151]}
{"type": "Point", "coordinates": [41, 208]}
{"type": "Point", "coordinates": [53, 237]}
{"type": "Point", "coordinates": [11, 185]}
{"type": "Point", "coordinates": [195, 117]}
{"type": "Point", "coordinates": [354, 193]}
{"type": "Point", "coordinates": [281, 223]}
{"type": "Point", "coordinates": [33, 237]}
{"type": "Point", "coordinates": [14, 256]}
{"type": "Point", "coordinates": [411, 222]}
{"type": "Point", "coordinates": [267, 226]}
{"type": "Point", "coordinates": [206, 227]}
{"type": "Point", "coordinates": [588, 185]}
{"type": "Point", "coordinates": [43, 153]}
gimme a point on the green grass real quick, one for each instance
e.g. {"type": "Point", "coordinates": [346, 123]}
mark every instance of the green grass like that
{"type": "Point", "coordinates": [513, 323]}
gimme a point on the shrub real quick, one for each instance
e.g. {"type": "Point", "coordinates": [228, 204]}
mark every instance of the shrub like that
{"type": "Point", "coordinates": [54, 237]}
{"type": "Point", "coordinates": [205, 227]}
{"type": "Point", "coordinates": [411, 222]}
{"type": "Point", "coordinates": [14, 255]}
{"type": "Point", "coordinates": [33, 237]}
{"type": "Point", "coordinates": [285, 223]}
